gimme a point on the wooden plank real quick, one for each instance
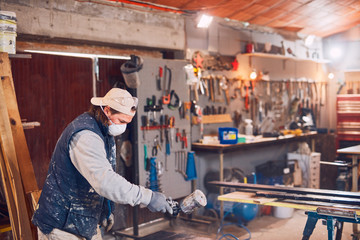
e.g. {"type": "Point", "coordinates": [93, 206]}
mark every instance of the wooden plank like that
{"type": "Point", "coordinates": [21, 147]}
{"type": "Point", "coordinates": [350, 150]}
{"type": "Point", "coordinates": [9, 195]}
{"type": "Point", "coordinates": [35, 198]}
{"type": "Point", "coordinates": [9, 155]}
{"type": "Point", "coordinates": [218, 118]}
{"type": "Point", "coordinates": [260, 187]}
{"type": "Point", "coordinates": [309, 197]}
{"type": "Point", "coordinates": [241, 198]}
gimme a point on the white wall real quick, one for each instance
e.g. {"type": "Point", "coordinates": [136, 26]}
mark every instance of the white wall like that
{"type": "Point", "coordinates": [68, 19]}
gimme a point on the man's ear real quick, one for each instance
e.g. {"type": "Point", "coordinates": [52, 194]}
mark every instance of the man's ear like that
{"type": "Point", "coordinates": [107, 111]}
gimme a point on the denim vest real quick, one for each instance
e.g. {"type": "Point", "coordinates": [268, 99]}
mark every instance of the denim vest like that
{"type": "Point", "coordinates": [67, 201]}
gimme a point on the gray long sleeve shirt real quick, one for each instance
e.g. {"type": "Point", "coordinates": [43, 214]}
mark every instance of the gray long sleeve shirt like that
{"type": "Point", "coordinates": [88, 155]}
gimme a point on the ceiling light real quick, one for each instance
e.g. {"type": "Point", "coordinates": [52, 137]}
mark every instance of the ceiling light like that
{"type": "Point", "coordinates": [204, 21]}
{"type": "Point", "coordinates": [253, 75]}
{"type": "Point", "coordinates": [331, 75]}
{"type": "Point", "coordinates": [309, 40]}
{"type": "Point", "coordinates": [84, 55]}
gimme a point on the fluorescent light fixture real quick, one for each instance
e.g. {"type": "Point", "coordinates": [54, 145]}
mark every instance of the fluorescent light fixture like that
{"type": "Point", "coordinates": [83, 55]}
{"type": "Point", "coordinates": [204, 21]}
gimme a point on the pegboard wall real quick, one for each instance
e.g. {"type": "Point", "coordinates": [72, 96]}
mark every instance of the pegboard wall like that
{"type": "Point", "coordinates": [170, 165]}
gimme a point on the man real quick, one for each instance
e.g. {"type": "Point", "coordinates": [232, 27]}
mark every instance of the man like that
{"type": "Point", "coordinates": [81, 177]}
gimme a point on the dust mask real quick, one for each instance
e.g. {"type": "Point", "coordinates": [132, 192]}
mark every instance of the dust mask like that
{"type": "Point", "coordinates": [115, 129]}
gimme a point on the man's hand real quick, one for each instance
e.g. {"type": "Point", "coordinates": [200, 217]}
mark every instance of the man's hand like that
{"type": "Point", "coordinates": [158, 203]}
{"type": "Point", "coordinates": [107, 223]}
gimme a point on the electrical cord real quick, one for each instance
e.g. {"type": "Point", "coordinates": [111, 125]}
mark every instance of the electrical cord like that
{"type": "Point", "coordinates": [226, 235]}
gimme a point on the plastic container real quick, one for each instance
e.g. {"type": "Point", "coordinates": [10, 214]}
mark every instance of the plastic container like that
{"type": "Point", "coordinates": [228, 135]}
{"type": "Point", "coordinates": [283, 212]}
{"type": "Point", "coordinates": [248, 127]}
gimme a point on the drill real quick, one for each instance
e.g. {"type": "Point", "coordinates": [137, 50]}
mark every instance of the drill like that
{"type": "Point", "coordinates": [189, 204]}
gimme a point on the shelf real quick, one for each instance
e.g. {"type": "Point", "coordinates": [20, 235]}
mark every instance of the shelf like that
{"type": "Point", "coordinates": [20, 55]}
{"type": "Point", "coordinates": [218, 118]}
{"type": "Point", "coordinates": [284, 57]}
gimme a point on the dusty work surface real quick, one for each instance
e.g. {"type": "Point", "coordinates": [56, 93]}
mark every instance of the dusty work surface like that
{"type": "Point", "coordinates": [261, 228]}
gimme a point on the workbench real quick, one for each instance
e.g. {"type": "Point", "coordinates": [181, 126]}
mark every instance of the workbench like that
{"type": "Point", "coordinates": [354, 151]}
{"type": "Point", "coordinates": [334, 216]}
{"type": "Point", "coordinates": [259, 142]}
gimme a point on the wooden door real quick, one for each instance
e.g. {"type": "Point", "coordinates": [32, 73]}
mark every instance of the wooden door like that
{"type": "Point", "coordinates": [52, 90]}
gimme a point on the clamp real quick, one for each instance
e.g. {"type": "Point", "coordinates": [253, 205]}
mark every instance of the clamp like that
{"type": "Point", "coordinates": [177, 103]}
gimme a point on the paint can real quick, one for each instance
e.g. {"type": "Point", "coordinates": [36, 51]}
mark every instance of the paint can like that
{"type": "Point", "coordinates": [8, 32]}
{"type": "Point", "coordinates": [250, 48]}
{"type": "Point", "coordinates": [283, 212]}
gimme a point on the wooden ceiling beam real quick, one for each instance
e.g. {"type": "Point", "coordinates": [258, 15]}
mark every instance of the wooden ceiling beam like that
{"type": "Point", "coordinates": [333, 15]}
{"type": "Point", "coordinates": [266, 10]}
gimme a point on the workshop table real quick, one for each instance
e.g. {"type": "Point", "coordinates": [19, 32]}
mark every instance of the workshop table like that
{"type": "Point", "coordinates": [333, 215]}
{"type": "Point", "coordinates": [262, 142]}
{"type": "Point", "coordinates": [354, 151]}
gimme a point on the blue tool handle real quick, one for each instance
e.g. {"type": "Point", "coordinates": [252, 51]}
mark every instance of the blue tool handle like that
{"type": "Point", "coordinates": [167, 148]}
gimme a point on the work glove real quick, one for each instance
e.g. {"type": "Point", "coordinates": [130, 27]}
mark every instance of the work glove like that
{"type": "Point", "coordinates": [158, 203]}
{"type": "Point", "coordinates": [108, 223]}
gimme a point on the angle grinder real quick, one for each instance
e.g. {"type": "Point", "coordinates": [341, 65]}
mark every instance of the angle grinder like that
{"type": "Point", "coordinates": [189, 204]}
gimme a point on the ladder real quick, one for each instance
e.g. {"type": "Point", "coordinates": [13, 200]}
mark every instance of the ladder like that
{"type": "Point", "coordinates": [18, 178]}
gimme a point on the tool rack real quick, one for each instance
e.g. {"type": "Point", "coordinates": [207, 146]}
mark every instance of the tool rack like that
{"type": "Point", "coordinates": [161, 129]}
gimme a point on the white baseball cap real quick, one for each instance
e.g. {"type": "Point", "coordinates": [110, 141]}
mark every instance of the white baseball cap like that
{"type": "Point", "coordinates": [118, 99]}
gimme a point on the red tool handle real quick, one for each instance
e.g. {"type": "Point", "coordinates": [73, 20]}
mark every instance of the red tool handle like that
{"type": "Point", "coordinates": [185, 141]}
{"type": "Point", "coordinates": [247, 98]}
{"type": "Point", "coordinates": [160, 72]}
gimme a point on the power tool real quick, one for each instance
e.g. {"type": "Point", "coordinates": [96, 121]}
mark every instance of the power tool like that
{"type": "Point", "coordinates": [189, 204]}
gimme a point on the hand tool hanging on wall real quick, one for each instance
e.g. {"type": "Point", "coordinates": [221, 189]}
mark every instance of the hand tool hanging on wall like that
{"type": "Point", "coordinates": [204, 86]}
{"type": "Point", "coordinates": [211, 88]}
{"type": "Point", "coordinates": [145, 124]}
{"type": "Point", "coordinates": [152, 181]}
{"type": "Point", "coordinates": [162, 122]}
{"type": "Point", "coordinates": [190, 167]}
{"type": "Point", "coordinates": [173, 105]}
{"type": "Point", "coordinates": [237, 118]}
{"type": "Point", "coordinates": [146, 159]}
{"type": "Point", "coordinates": [167, 142]}
{"type": "Point", "coordinates": [166, 90]}
{"type": "Point", "coordinates": [181, 111]}
{"type": "Point", "coordinates": [156, 146]}
{"type": "Point", "coordinates": [224, 86]}
{"type": "Point", "coordinates": [180, 163]}
{"type": "Point", "coordinates": [247, 86]}
{"type": "Point", "coordinates": [151, 108]}
{"type": "Point", "coordinates": [172, 129]}
{"type": "Point", "coordinates": [184, 139]}
{"type": "Point", "coordinates": [178, 135]}
{"type": "Point", "coordinates": [158, 78]}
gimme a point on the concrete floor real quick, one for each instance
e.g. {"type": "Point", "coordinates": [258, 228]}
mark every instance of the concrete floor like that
{"type": "Point", "coordinates": [261, 228]}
